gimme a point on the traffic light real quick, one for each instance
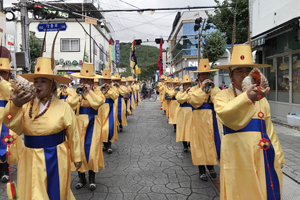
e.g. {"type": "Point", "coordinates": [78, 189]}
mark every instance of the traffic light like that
{"type": "Point", "coordinates": [197, 24]}
{"type": "Point", "coordinates": [157, 40]}
{"type": "Point", "coordinates": [207, 26]}
{"type": "Point", "coordinates": [138, 42]}
{"type": "Point", "coordinates": [38, 11]}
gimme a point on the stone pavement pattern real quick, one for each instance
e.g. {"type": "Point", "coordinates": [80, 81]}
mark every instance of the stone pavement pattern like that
{"type": "Point", "coordinates": [147, 163]}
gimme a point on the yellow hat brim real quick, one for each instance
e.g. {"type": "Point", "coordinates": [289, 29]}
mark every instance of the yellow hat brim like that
{"type": "Point", "coordinates": [9, 70]}
{"type": "Point", "coordinates": [114, 78]}
{"type": "Point", "coordinates": [203, 71]}
{"type": "Point", "coordinates": [78, 75]}
{"type": "Point", "coordinates": [242, 65]}
{"type": "Point", "coordinates": [59, 79]}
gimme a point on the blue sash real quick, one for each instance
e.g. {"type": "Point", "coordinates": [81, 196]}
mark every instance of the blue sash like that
{"type": "Point", "coordinates": [173, 98]}
{"type": "Point", "coordinates": [130, 97]}
{"type": "Point", "coordinates": [255, 126]}
{"type": "Point", "coordinates": [215, 125]}
{"type": "Point", "coordinates": [111, 120]}
{"type": "Point", "coordinates": [186, 104]}
{"type": "Point", "coordinates": [134, 97]}
{"type": "Point", "coordinates": [4, 132]}
{"type": "Point", "coordinates": [89, 130]}
{"type": "Point", "coordinates": [48, 143]}
{"type": "Point", "coordinates": [63, 97]}
{"type": "Point", "coordinates": [120, 109]}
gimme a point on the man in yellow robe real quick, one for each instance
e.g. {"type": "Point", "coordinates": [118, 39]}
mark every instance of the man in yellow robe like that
{"type": "Point", "coordinates": [16, 147]}
{"type": "Point", "coordinates": [132, 93]}
{"type": "Point", "coordinates": [251, 155]}
{"type": "Point", "coordinates": [206, 131]}
{"type": "Point", "coordinates": [121, 108]}
{"type": "Point", "coordinates": [184, 116]}
{"type": "Point", "coordinates": [174, 105]}
{"type": "Point", "coordinates": [89, 125]}
{"type": "Point", "coordinates": [108, 112]}
{"type": "Point", "coordinates": [166, 97]}
{"type": "Point", "coordinates": [160, 88]}
{"type": "Point", "coordinates": [68, 95]}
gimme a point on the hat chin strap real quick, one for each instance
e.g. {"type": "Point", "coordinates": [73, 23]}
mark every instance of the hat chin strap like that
{"type": "Point", "coordinates": [235, 67]}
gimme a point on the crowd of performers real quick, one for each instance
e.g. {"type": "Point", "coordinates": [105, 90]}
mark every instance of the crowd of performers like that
{"type": "Point", "coordinates": [65, 129]}
{"type": "Point", "coordinates": [227, 126]}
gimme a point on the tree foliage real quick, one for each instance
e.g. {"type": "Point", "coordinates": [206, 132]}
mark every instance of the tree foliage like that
{"type": "Point", "coordinates": [147, 57]}
{"type": "Point", "coordinates": [214, 46]}
{"type": "Point", "coordinates": [224, 15]}
{"type": "Point", "coordinates": [35, 45]}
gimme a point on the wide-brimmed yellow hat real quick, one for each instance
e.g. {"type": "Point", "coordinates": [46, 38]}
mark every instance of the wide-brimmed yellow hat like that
{"type": "Point", "coordinates": [176, 81]}
{"type": "Point", "coordinates": [106, 74]}
{"type": "Point", "coordinates": [116, 76]}
{"type": "Point", "coordinates": [169, 80]}
{"type": "Point", "coordinates": [87, 71]}
{"type": "Point", "coordinates": [187, 79]}
{"type": "Point", "coordinates": [162, 77]}
{"type": "Point", "coordinates": [4, 65]}
{"type": "Point", "coordinates": [43, 69]}
{"type": "Point", "coordinates": [123, 79]}
{"type": "Point", "coordinates": [241, 57]}
{"type": "Point", "coordinates": [129, 78]}
{"type": "Point", "coordinates": [203, 66]}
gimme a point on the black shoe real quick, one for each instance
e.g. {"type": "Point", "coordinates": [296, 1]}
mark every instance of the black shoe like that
{"type": "Point", "coordinates": [121, 128]}
{"type": "Point", "coordinates": [185, 150]}
{"type": "Point", "coordinates": [92, 185]}
{"type": "Point", "coordinates": [203, 177]}
{"type": "Point", "coordinates": [104, 148]}
{"type": "Point", "coordinates": [5, 172]}
{"type": "Point", "coordinates": [213, 173]}
{"type": "Point", "coordinates": [109, 150]}
{"type": "Point", "coordinates": [81, 182]}
{"type": "Point", "coordinates": [4, 178]}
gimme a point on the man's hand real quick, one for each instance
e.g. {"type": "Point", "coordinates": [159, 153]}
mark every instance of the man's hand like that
{"type": "Point", "coordinates": [77, 165]}
{"type": "Point", "coordinates": [188, 89]}
{"type": "Point", "coordinates": [203, 84]}
{"type": "Point", "coordinates": [252, 94]}
{"type": "Point", "coordinates": [281, 165]}
{"type": "Point", "coordinates": [21, 98]}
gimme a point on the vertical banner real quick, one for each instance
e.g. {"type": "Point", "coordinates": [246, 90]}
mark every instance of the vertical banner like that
{"type": "Point", "coordinates": [117, 52]}
{"type": "Point", "coordinates": [113, 52]}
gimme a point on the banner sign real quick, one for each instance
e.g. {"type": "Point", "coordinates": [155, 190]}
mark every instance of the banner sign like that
{"type": "Point", "coordinates": [117, 52]}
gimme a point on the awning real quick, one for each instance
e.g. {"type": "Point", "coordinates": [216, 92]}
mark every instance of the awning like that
{"type": "Point", "coordinates": [258, 41]}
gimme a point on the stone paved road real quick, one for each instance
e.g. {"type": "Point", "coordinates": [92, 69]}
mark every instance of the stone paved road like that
{"type": "Point", "coordinates": [147, 163]}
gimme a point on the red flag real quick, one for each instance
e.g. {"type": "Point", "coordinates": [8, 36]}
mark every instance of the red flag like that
{"type": "Point", "coordinates": [159, 61]}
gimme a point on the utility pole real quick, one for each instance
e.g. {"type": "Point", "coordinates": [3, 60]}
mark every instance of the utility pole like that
{"type": "Point", "coordinates": [1, 5]}
{"type": "Point", "coordinates": [200, 40]}
{"type": "Point", "coordinates": [25, 33]}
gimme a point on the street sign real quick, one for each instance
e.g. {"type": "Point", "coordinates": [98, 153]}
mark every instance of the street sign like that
{"type": "Point", "coordinates": [117, 52]}
{"type": "Point", "coordinates": [90, 20]}
{"type": "Point", "coordinates": [52, 27]}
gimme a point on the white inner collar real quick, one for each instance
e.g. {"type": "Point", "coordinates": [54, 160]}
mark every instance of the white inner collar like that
{"type": "Point", "coordinates": [236, 90]}
{"type": "Point", "coordinates": [43, 106]}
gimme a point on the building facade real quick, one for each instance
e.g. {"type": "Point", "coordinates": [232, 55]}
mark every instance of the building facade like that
{"type": "Point", "coordinates": [276, 37]}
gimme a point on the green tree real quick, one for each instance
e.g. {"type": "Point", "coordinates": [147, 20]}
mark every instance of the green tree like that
{"type": "Point", "coordinates": [224, 15]}
{"type": "Point", "coordinates": [35, 45]}
{"type": "Point", "coordinates": [214, 46]}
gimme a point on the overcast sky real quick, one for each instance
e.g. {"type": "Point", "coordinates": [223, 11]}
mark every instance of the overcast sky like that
{"type": "Point", "coordinates": [131, 25]}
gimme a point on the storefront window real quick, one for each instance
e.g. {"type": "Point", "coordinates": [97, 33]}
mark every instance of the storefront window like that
{"type": "Point", "coordinates": [283, 79]}
{"type": "Point", "coordinates": [271, 76]}
{"type": "Point", "coordinates": [296, 77]}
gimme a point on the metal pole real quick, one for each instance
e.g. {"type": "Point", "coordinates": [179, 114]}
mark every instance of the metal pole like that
{"type": "Point", "coordinates": [200, 40]}
{"type": "Point", "coordinates": [1, 5]}
{"type": "Point", "coordinates": [25, 33]}
{"type": "Point", "coordinates": [90, 44]}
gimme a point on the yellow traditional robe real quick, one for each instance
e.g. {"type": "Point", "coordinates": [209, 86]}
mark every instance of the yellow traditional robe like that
{"type": "Point", "coordinates": [202, 141]}
{"type": "Point", "coordinates": [70, 96]}
{"type": "Point", "coordinates": [18, 145]}
{"type": "Point", "coordinates": [173, 107]}
{"type": "Point", "coordinates": [32, 171]}
{"type": "Point", "coordinates": [137, 95]}
{"type": "Point", "coordinates": [184, 118]}
{"type": "Point", "coordinates": [133, 104]}
{"type": "Point", "coordinates": [129, 111]}
{"type": "Point", "coordinates": [160, 90]}
{"type": "Point", "coordinates": [166, 103]}
{"type": "Point", "coordinates": [103, 113]}
{"type": "Point", "coordinates": [243, 174]}
{"type": "Point", "coordinates": [122, 91]}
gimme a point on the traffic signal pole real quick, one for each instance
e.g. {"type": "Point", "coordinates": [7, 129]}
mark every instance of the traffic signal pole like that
{"type": "Point", "coordinates": [200, 40]}
{"type": "Point", "coordinates": [25, 33]}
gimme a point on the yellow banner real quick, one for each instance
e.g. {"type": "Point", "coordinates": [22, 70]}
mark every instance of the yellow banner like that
{"type": "Point", "coordinates": [90, 21]}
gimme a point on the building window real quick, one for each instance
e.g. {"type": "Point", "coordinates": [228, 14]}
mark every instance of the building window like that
{"type": "Point", "coordinates": [270, 73]}
{"type": "Point", "coordinates": [296, 78]}
{"type": "Point", "coordinates": [70, 45]}
{"type": "Point", "coordinates": [283, 86]}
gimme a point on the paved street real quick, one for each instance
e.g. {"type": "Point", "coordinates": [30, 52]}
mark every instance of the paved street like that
{"type": "Point", "coordinates": [147, 163]}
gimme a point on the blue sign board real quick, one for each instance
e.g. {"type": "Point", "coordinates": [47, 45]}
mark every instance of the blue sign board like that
{"type": "Point", "coordinates": [117, 52]}
{"type": "Point", "coordinates": [52, 27]}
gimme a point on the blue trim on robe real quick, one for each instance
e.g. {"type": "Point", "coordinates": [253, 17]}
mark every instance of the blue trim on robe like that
{"type": "Point", "coordinates": [217, 138]}
{"type": "Point", "coordinates": [255, 126]}
{"type": "Point", "coordinates": [4, 132]}
{"type": "Point", "coordinates": [120, 108]}
{"type": "Point", "coordinates": [173, 98]}
{"type": "Point", "coordinates": [130, 97]}
{"type": "Point", "coordinates": [111, 120]}
{"type": "Point", "coordinates": [49, 144]}
{"type": "Point", "coordinates": [89, 130]}
{"type": "Point", "coordinates": [186, 104]}
{"type": "Point", "coordinates": [63, 97]}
